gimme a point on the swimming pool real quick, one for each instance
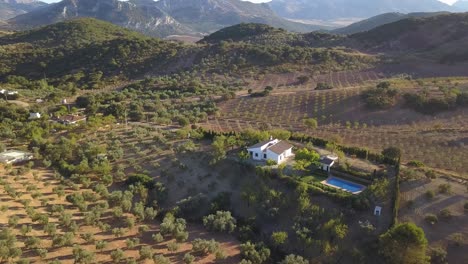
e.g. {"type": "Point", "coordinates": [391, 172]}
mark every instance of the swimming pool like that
{"type": "Point", "coordinates": [344, 185]}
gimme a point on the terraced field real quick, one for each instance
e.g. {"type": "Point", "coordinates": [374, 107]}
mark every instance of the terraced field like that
{"type": "Point", "coordinates": [439, 141]}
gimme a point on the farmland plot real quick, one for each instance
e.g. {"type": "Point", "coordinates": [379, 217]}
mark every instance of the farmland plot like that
{"type": "Point", "coordinates": [341, 79]}
{"type": "Point", "coordinates": [48, 227]}
{"type": "Point", "coordinates": [439, 141]}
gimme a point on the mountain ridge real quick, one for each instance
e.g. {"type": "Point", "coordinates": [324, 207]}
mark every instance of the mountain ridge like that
{"type": "Point", "coordinates": [12, 8]}
{"type": "Point", "coordinates": [379, 20]}
{"type": "Point", "coordinates": [334, 9]}
{"type": "Point", "coordinates": [162, 18]}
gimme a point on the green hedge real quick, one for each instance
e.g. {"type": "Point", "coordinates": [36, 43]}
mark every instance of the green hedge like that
{"type": "Point", "coordinates": [396, 201]}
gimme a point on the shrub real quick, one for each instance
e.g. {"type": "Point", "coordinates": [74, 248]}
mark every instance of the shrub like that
{"type": "Point", "coordinates": [445, 188]}
{"type": "Point", "coordinates": [146, 252]}
{"type": "Point", "coordinates": [256, 253]}
{"type": "Point", "coordinates": [323, 86]}
{"type": "Point", "coordinates": [205, 247]}
{"type": "Point", "coordinates": [188, 258]}
{"type": "Point", "coordinates": [310, 123]}
{"type": "Point", "coordinates": [430, 194]}
{"type": "Point", "coordinates": [438, 256]}
{"type": "Point", "coordinates": [132, 242]}
{"type": "Point", "coordinates": [220, 255]}
{"type": "Point", "coordinates": [380, 97]}
{"type": "Point", "coordinates": [160, 259]}
{"type": "Point", "coordinates": [445, 214]}
{"type": "Point", "coordinates": [293, 259]}
{"type": "Point", "coordinates": [158, 238]}
{"type": "Point", "coordinates": [431, 219]}
{"type": "Point", "coordinates": [431, 174]}
{"type": "Point", "coordinates": [403, 243]}
{"type": "Point", "coordinates": [271, 162]}
{"type": "Point", "coordinates": [143, 179]}
{"type": "Point", "coordinates": [117, 255]}
{"type": "Point", "coordinates": [415, 163]}
{"type": "Point", "coordinates": [279, 238]}
{"type": "Point", "coordinates": [174, 226]}
{"type": "Point", "coordinates": [173, 246]}
{"type": "Point", "coordinates": [222, 221]}
{"type": "Point", "coordinates": [101, 245]}
{"type": "Point", "coordinates": [458, 239]}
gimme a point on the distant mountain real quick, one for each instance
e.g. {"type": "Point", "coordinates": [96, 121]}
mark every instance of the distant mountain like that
{"type": "Point", "coordinates": [162, 18]}
{"type": "Point", "coordinates": [462, 5]}
{"type": "Point", "coordinates": [143, 16]}
{"type": "Point", "coordinates": [441, 37]}
{"type": "Point", "coordinates": [211, 15]}
{"type": "Point", "coordinates": [334, 9]}
{"type": "Point", "coordinates": [12, 8]}
{"type": "Point", "coordinates": [373, 22]}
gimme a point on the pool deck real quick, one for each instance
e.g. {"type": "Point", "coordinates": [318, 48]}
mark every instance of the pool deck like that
{"type": "Point", "coordinates": [325, 182]}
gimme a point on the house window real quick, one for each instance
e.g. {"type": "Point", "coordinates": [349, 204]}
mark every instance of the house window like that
{"type": "Point", "coordinates": [256, 154]}
{"type": "Point", "coordinates": [264, 156]}
{"type": "Point", "coordinates": [251, 153]}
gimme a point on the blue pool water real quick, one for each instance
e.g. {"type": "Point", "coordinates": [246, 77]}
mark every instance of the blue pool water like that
{"type": "Point", "coordinates": [346, 185]}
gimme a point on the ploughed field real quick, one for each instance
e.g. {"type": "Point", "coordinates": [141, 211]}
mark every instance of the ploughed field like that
{"type": "Point", "coordinates": [439, 141]}
{"type": "Point", "coordinates": [335, 79]}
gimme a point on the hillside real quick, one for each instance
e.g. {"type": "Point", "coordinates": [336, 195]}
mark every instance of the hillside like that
{"type": "Point", "coordinates": [77, 50]}
{"type": "Point", "coordinates": [442, 37]}
{"type": "Point", "coordinates": [12, 8]}
{"type": "Point", "coordinates": [160, 19]}
{"type": "Point", "coordinates": [266, 35]}
{"type": "Point", "coordinates": [80, 49]}
{"type": "Point", "coordinates": [376, 21]}
{"type": "Point", "coordinates": [334, 9]}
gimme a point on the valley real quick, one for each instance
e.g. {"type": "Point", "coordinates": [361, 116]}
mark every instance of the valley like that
{"type": "Point", "coordinates": [245, 143]}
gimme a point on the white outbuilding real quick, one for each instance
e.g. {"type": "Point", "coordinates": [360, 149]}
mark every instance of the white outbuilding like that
{"type": "Point", "coordinates": [15, 156]}
{"type": "Point", "coordinates": [326, 162]}
{"type": "Point", "coordinates": [33, 116]}
{"type": "Point", "coordinates": [273, 149]}
{"type": "Point", "coordinates": [378, 211]}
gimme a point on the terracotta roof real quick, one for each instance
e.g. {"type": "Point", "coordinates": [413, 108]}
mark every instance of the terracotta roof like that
{"type": "Point", "coordinates": [280, 147]}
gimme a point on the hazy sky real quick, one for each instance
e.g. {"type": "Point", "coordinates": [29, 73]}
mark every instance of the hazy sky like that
{"type": "Point", "coordinates": [260, 1]}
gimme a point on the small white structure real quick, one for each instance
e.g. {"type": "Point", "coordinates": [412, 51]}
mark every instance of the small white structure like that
{"type": "Point", "coordinates": [272, 149]}
{"type": "Point", "coordinates": [15, 156]}
{"type": "Point", "coordinates": [378, 211]}
{"type": "Point", "coordinates": [326, 162]}
{"type": "Point", "coordinates": [6, 92]}
{"type": "Point", "coordinates": [70, 119]}
{"type": "Point", "coordinates": [33, 116]}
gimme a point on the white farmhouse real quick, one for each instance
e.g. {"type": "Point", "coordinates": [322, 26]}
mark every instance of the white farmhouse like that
{"type": "Point", "coordinates": [272, 149]}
